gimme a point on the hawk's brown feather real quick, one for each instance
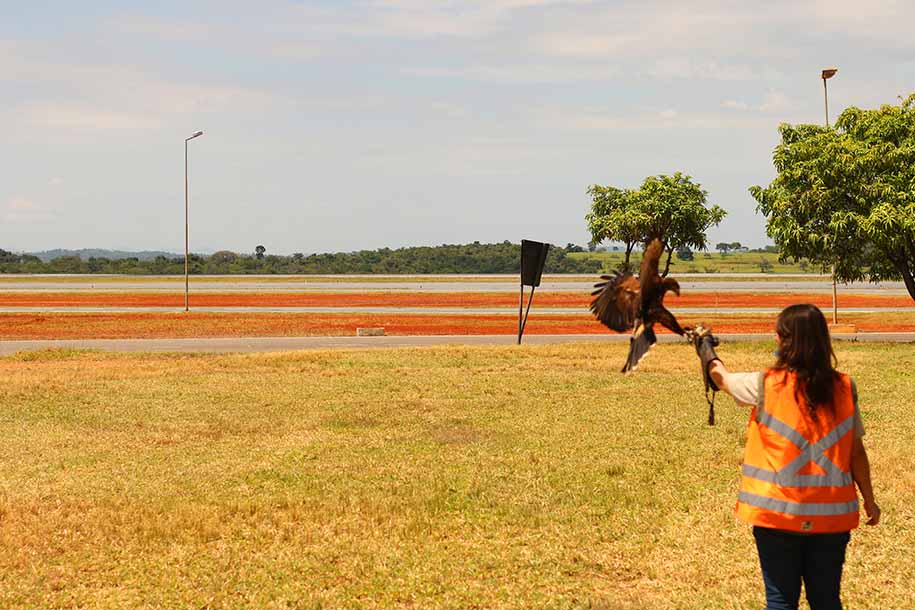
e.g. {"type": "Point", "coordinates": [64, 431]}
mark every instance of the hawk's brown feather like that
{"type": "Point", "coordinates": [616, 302]}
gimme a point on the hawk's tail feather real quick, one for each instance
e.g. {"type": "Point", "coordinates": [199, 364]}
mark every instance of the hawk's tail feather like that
{"type": "Point", "coordinates": [641, 342]}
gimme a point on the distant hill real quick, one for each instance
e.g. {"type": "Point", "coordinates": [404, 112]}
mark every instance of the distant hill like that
{"type": "Point", "coordinates": [87, 253]}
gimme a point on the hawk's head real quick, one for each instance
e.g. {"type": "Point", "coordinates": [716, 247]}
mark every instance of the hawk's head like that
{"type": "Point", "coordinates": [669, 284]}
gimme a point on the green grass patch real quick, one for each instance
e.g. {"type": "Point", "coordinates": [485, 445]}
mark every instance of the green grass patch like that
{"type": "Point", "coordinates": [710, 262]}
{"type": "Point", "coordinates": [455, 477]}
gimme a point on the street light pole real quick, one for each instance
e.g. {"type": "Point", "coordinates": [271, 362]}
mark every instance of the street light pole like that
{"type": "Point", "coordinates": [186, 281]}
{"type": "Point", "coordinates": [826, 74]}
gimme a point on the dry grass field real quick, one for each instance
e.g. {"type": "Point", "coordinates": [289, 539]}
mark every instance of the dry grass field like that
{"type": "Point", "coordinates": [456, 477]}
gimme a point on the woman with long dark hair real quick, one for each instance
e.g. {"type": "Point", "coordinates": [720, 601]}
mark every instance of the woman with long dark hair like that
{"type": "Point", "coordinates": [804, 456]}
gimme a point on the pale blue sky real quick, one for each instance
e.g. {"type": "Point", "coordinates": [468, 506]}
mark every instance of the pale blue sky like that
{"type": "Point", "coordinates": [348, 125]}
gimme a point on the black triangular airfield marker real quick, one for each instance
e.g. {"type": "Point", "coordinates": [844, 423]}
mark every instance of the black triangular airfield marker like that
{"type": "Point", "coordinates": [533, 259]}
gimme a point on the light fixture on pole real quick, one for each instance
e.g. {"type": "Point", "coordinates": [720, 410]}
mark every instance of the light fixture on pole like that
{"type": "Point", "coordinates": [196, 134]}
{"type": "Point", "coordinates": [826, 74]}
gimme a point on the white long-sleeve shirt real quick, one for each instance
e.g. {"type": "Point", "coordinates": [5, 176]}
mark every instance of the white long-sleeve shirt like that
{"type": "Point", "coordinates": [749, 389]}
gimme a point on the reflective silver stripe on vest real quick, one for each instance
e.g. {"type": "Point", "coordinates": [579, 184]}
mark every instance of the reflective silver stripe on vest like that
{"type": "Point", "coordinates": [797, 480]}
{"type": "Point", "coordinates": [788, 475]}
{"type": "Point", "coordinates": [807, 509]}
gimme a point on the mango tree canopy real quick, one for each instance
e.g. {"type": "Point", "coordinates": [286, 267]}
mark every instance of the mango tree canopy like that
{"type": "Point", "coordinates": [846, 195]}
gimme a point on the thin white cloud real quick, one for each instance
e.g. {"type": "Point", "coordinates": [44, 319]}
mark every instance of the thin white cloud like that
{"type": "Point", "coordinates": [773, 102]}
{"type": "Point", "coordinates": [884, 18]}
{"type": "Point", "coordinates": [669, 68]}
{"type": "Point", "coordinates": [477, 156]}
{"type": "Point", "coordinates": [668, 119]}
{"type": "Point", "coordinates": [23, 211]}
{"type": "Point", "coordinates": [425, 18]}
{"type": "Point", "coordinates": [735, 105]}
{"type": "Point", "coordinates": [642, 30]}
{"type": "Point", "coordinates": [718, 40]}
{"type": "Point", "coordinates": [81, 117]}
{"type": "Point", "coordinates": [520, 72]}
{"type": "Point", "coordinates": [299, 51]}
{"type": "Point", "coordinates": [96, 96]}
{"type": "Point", "coordinates": [170, 30]}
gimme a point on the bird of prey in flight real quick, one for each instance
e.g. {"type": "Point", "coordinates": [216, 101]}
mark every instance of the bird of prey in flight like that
{"type": "Point", "coordinates": [623, 302]}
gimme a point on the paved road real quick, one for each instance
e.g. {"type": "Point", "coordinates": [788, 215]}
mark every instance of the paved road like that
{"type": "Point", "coordinates": [278, 344]}
{"type": "Point", "coordinates": [535, 311]}
{"type": "Point", "coordinates": [357, 276]}
{"type": "Point", "coordinates": [439, 284]}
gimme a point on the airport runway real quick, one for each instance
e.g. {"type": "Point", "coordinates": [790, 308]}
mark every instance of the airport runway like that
{"type": "Point", "coordinates": [739, 283]}
{"type": "Point", "coordinates": [280, 344]}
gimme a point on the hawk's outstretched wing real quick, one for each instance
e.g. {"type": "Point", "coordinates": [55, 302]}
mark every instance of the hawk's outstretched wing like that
{"type": "Point", "coordinates": [616, 301]}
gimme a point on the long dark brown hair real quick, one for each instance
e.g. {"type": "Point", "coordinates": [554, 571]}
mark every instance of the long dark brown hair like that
{"type": "Point", "coordinates": [806, 349]}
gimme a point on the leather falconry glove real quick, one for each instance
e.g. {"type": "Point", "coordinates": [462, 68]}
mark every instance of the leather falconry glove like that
{"type": "Point", "coordinates": [705, 347]}
{"type": "Point", "coordinates": [705, 343]}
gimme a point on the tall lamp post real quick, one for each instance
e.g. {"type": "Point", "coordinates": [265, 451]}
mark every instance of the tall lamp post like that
{"type": "Point", "coordinates": [196, 134]}
{"type": "Point", "coordinates": [826, 74]}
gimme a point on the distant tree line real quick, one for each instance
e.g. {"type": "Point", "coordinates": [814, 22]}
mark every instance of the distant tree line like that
{"type": "Point", "coordinates": [502, 257]}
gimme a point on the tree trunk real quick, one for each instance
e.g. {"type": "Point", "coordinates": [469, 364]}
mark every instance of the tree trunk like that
{"type": "Point", "coordinates": [629, 246]}
{"type": "Point", "coordinates": [670, 252]}
{"type": "Point", "coordinates": [909, 282]}
{"type": "Point", "coordinates": [904, 262]}
{"type": "Point", "coordinates": [905, 269]}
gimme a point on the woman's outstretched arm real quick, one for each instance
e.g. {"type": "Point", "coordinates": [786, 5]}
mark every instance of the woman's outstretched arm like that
{"type": "Point", "coordinates": [719, 374]}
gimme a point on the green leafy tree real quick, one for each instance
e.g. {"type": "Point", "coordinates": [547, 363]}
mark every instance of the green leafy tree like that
{"type": "Point", "coordinates": [614, 216]}
{"type": "Point", "coordinates": [723, 247]}
{"type": "Point", "coordinates": [223, 257]}
{"type": "Point", "coordinates": [68, 264]}
{"type": "Point", "coordinates": [675, 207]}
{"type": "Point", "coordinates": [671, 208]}
{"type": "Point", "coordinates": [9, 257]}
{"type": "Point", "coordinates": [845, 195]}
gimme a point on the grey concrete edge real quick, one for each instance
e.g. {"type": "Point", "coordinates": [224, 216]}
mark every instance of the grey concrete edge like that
{"type": "Point", "coordinates": [278, 344]}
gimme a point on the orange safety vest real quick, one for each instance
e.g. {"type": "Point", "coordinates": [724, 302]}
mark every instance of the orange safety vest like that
{"type": "Point", "coordinates": [797, 470]}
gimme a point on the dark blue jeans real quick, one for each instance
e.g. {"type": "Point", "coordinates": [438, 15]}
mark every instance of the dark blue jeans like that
{"type": "Point", "coordinates": [787, 559]}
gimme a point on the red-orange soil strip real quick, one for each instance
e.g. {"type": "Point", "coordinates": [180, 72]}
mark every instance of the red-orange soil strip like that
{"type": "Point", "coordinates": [420, 299]}
{"type": "Point", "coordinates": [202, 324]}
